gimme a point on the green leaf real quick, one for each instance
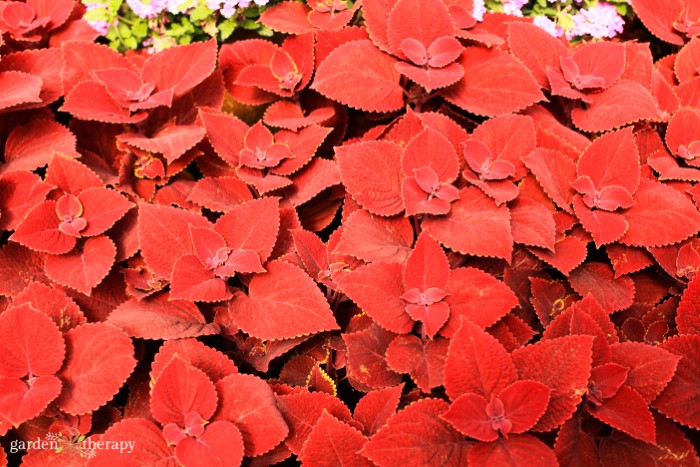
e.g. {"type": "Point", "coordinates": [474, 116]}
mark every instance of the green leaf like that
{"type": "Point", "coordinates": [200, 13]}
{"type": "Point", "coordinates": [226, 28]}
{"type": "Point", "coordinates": [131, 43]}
{"type": "Point", "coordinates": [266, 32]}
{"type": "Point", "coordinates": [250, 25]}
{"type": "Point", "coordinates": [115, 5]}
{"type": "Point", "coordinates": [124, 30]}
{"type": "Point", "coordinates": [140, 29]}
{"type": "Point", "coordinates": [96, 14]}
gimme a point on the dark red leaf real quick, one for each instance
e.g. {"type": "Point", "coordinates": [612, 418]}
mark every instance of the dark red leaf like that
{"type": "Point", "coordinates": [376, 407]}
{"type": "Point", "coordinates": [160, 318]}
{"type": "Point", "coordinates": [416, 435]}
{"type": "Point", "coordinates": [345, 439]}
{"type": "Point", "coordinates": [367, 367]}
{"type": "Point", "coordinates": [301, 412]}
{"type": "Point", "coordinates": [476, 363]}
{"type": "Point", "coordinates": [562, 364]}
{"type": "Point", "coordinates": [478, 297]}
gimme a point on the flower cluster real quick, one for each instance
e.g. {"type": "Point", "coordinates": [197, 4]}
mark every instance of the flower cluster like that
{"type": "Point", "coordinates": [159, 24]}
{"type": "Point", "coordinates": [572, 18]}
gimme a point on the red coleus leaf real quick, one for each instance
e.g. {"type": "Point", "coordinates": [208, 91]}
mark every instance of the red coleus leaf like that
{"type": "Point", "coordinates": [594, 65]}
{"type": "Point", "coordinates": [660, 19]}
{"type": "Point", "coordinates": [476, 217]}
{"type": "Point", "coordinates": [192, 281]}
{"type": "Point", "coordinates": [260, 313]}
{"type": "Point", "coordinates": [661, 216]}
{"type": "Point", "coordinates": [85, 267]}
{"type": "Point", "coordinates": [149, 445]}
{"type": "Point", "coordinates": [367, 367]}
{"type": "Point", "coordinates": [357, 65]}
{"type": "Point", "coordinates": [31, 146]}
{"type": "Point", "coordinates": [623, 103]}
{"type": "Point", "coordinates": [90, 100]}
{"type": "Point", "coordinates": [562, 364]}
{"type": "Point", "coordinates": [376, 407]}
{"type": "Point", "coordinates": [416, 435]}
{"type": "Point", "coordinates": [686, 61]}
{"type": "Point", "coordinates": [99, 359]}
{"type": "Point", "coordinates": [682, 136]}
{"type": "Point", "coordinates": [423, 361]}
{"type": "Point", "coordinates": [173, 141]}
{"type": "Point", "coordinates": [626, 260]}
{"type": "Point", "coordinates": [179, 390]}
{"type": "Point", "coordinates": [221, 442]}
{"type": "Point", "coordinates": [477, 296]}
{"type": "Point", "coordinates": [345, 439]}
{"type": "Point", "coordinates": [253, 225]}
{"type": "Point", "coordinates": [575, 321]}
{"type": "Point", "coordinates": [650, 368]}
{"type": "Point", "coordinates": [213, 363]}
{"type": "Point", "coordinates": [679, 399]}
{"type": "Point", "coordinates": [31, 344]}
{"type": "Point", "coordinates": [431, 149]}
{"type": "Point", "coordinates": [549, 299]}
{"type": "Point", "coordinates": [376, 288]}
{"type": "Point", "coordinates": [574, 446]}
{"type": "Point", "coordinates": [54, 303]}
{"type": "Point", "coordinates": [671, 447]}
{"type": "Point", "coordinates": [532, 224]}
{"type": "Point", "coordinates": [598, 279]}
{"type": "Point", "coordinates": [287, 17]}
{"type": "Point", "coordinates": [180, 68]}
{"type": "Point", "coordinates": [435, 78]}
{"type": "Point", "coordinates": [605, 382]}
{"type": "Point", "coordinates": [13, 258]}
{"type": "Point", "coordinates": [627, 411]}
{"type": "Point", "coordinates": [40, 230]}
{"type": "Point", "coordinates": [522, 450]}
{"type": "Point", "coordinates": [160, 318]}
{"type": "Point", "coordinates": [513, 410]}
{"type": "Point", "coordinates": [20, 192]}
{"type": "Point", "coordinates": [249, 403]}
{"type": "Point", "coordinates": [371, 173]}
{"type": "Point", "coordinates": [424, 22]}
{"type": "Point", "coordinates": [20, 401]}
{"type": "Point", "coordinates": [287, 115]}
{"type": "Point", "coordinates": [611, 160]}
{"type": "Point", "coordinates": [371, 238]}
{"type": "Point", "coordinates": [301, 411]}
{"type": "Point", "coordinates": [70, 175]}
{"type": "Point", "coordinates": [476, 363]}
{"type": "Point", "coordinates": [164, 234]}
{"type": "Point", "coordinates": [688, 313]}
{"type": "Point", "coordinates": [536, 49]}
{"type": "Point", "coordinates": [225, 133]}
{"type": "Point", "coordinates": [555, 172]}
{"type": "Point", "coordinates": [19, 88]}
{"type": "Point", "coordinates": [494, 83]}
{"type": "Point", "coordinates": [219, 194]}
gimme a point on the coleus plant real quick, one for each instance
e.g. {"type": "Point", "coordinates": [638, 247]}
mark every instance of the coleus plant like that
{"type": "Point", "coordinates": [405, 233]}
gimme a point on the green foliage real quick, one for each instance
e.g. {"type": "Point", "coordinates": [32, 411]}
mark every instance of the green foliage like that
{"type": "Point", "coordinates": [194, 21]}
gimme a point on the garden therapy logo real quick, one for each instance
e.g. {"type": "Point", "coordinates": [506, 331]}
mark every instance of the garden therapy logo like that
{"type": "Point", "coordinates": [84, 447]}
